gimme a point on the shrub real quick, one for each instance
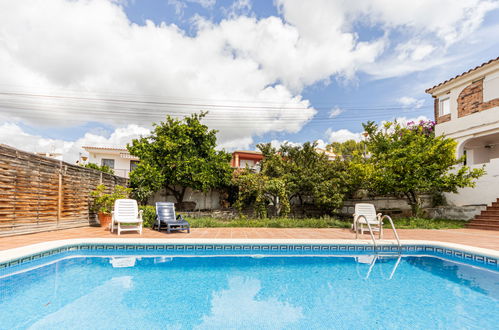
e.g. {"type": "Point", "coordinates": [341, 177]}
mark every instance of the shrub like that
{"type": "Point", "coordinates": [103, 168]}
{"type": "Point", "coordinates": [149, 215]}
{"type": "Point", "coordinates": [104, 202]}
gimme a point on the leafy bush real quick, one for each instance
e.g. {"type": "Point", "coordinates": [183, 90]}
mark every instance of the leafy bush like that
{"type": "Point", "coordinates": [149, 215]}
{"type": "Point", "coordinates": [103, 168]}
{"type": "Point", "coordinates": [326, 222]}
{"type": "Point", "coordinates": [422, 223]}
{"type": "Point", "coordinates": [104, 202]}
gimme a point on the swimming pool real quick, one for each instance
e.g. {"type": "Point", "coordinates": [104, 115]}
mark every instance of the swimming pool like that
{"type": "Point", "coordinates": [243, 287]}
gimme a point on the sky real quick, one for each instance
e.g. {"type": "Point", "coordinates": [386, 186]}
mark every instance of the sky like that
{"type": "Point", "coordinates": [101, 72]}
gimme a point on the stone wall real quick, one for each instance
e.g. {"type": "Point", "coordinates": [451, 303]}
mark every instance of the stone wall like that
{"type": "Point", "coordinates": [392, 206]}
{"type": "Point", "coordinates": [470, 100]}
{"type": "Point", "coordinates": [455, 212]}
{"type": "Point", "coordinates": [200, 201]}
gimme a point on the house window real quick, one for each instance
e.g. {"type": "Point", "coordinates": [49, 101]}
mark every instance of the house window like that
{"type": "Point", "coordinates": [444, 107]}
{"type": "Point", "coordinates": [133, 164]}
{"type": "Point", "coordinates": [107, 162]}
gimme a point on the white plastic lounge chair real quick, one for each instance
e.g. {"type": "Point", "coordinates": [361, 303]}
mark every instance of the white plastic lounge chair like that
{"type": "Point", "coordinates": [126, 216]}
{"type": "Point", "coordinates": [365, 212]}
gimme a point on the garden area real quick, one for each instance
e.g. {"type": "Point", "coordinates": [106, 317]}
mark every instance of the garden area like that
{"type": "Point", "coordinates": [406, 161]}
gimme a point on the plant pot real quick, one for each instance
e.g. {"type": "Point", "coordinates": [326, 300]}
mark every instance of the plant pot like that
{"type": "Point", "coordinates": [105, 220]}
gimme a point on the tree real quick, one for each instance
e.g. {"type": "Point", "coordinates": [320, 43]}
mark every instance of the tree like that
{"type": "Point", "coordinates": [308, 174]}
{"type": "Point", "coordinates": [348, 149]}
{"type": "Point", "coordinates": [103, 168]}
{"type": "Point", "coordinates": [293, 173]}
{"type": "Point", "coordinates": [410, 161]}
{"type": "Point", "coordinates": [259, 190]}
{"type": "Point", "coordinates": [179, 153]}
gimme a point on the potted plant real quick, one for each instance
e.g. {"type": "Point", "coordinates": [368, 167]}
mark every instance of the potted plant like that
{"type": "Point", "coordinates": [104, 202]}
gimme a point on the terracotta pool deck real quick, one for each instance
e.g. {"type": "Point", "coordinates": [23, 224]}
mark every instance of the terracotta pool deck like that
{"type": "Point", "coordinates": [472, 237]}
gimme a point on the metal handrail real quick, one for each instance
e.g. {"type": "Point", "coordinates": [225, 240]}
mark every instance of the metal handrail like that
{"type": "Point", "coordinates": [394, 230]}
{"type": "Point", "coordinates": [395, 267]}
{"type": "Point", "coordinates": [370, 231]}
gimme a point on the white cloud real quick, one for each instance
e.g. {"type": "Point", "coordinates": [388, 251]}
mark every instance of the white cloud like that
{"type": "Point", "coordinates": [405, 120]}
{"type": "Point", "coordinates": [238, 8]}
{"type": "Point", "coordinates": [411, 102]}
{"type": "Point", "coordinates": [204, 3]}
{"type": "Point", "coordinates": [243, 294]}
{"type": "Point", "coordinates": [321, 144]}
{"type": "Point", "coordinates": [413, 30]}
{"type": "Point", "coordinates": [278, 143]}
{"type": "Point", "coordinates": [112, 58]}
{"type": "Point", "coordinates": [91, 49]}
{"type": "Point", "coordinates": [179, 6]}
{"type": "Point", "coordinates": [14, 136]}
{"type": "Point", "coordinates": [335, 112]}
{"type": "Point", "coordinates": [342, 135]}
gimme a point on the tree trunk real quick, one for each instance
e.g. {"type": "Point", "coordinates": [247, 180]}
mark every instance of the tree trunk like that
{"type": "Point", "coordinates": [415, 204]}
{"type": "Point", "coordinates": [179, 195]}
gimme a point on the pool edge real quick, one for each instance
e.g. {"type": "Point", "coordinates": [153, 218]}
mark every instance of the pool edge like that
{"type": "Point", "coordinates": [10, 255]}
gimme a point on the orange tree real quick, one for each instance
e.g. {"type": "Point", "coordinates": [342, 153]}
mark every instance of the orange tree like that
{"type": "Point", "coordinates": [411, 160]}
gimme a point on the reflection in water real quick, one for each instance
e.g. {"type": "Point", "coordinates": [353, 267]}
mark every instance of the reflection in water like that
{"type": "Point", "coordinates": [239, 306]}
{"type": "Point", "coordinates": [83, 311]}
{"type": "Point", "coordinates": [371, 260]}
{"type": "Point", "coordinates": [257, 293]}
{"type": "Point", "coordinates": [122, 262]}
{"type": "Point", "coordinates": [459, 273]}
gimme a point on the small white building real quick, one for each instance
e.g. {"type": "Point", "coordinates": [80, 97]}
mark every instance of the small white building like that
{"type": "Point", "coordinates": [467, 110]}
{"type": "Point", "coordinates": [119, 159]}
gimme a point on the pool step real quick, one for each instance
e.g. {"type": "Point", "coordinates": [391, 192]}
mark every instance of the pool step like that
{"type": "Point", "coordinates": [487, 219]}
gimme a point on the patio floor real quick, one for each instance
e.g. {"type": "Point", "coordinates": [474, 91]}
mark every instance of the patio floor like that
{"type": "Point", "coordinates": [473, 237]}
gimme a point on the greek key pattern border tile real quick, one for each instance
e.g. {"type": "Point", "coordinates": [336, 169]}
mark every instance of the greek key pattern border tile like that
{"type": "Point", "coordinates": [421, 249]}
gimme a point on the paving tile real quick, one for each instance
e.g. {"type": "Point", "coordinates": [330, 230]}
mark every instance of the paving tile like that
{"type": "Point", "coordinates": [473, 237]}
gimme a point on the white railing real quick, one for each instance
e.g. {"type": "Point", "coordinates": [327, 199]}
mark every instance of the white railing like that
{"type": "Point", "coordinates": [121, 172]}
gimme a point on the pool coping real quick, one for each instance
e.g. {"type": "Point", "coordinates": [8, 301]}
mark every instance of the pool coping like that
{"type": "Point", "coordinates": [24, 251]}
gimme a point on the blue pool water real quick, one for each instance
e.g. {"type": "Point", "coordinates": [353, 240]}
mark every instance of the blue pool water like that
{"type": "Point", "coordinates": [240, 292]}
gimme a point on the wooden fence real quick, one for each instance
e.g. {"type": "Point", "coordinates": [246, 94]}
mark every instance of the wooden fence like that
{"type": "Point", "coordinates": [40, 194]}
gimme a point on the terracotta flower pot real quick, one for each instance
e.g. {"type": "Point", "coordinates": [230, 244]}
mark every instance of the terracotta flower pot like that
{"type": "Point", "coordinates": [105, 220]}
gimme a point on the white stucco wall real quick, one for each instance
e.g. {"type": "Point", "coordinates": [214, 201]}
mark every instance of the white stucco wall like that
{"type": "Point", "coordinates": [491, 86]}
{"type": "Point", "coordinates": [204, 201]}
{"type": "Point", "coordinates": [485, 192]}
{"type": "Point", "coordinates": [121, 165]}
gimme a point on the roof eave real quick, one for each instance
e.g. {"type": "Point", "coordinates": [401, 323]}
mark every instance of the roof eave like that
{"type": "Point", "coordinates": [445, 85]}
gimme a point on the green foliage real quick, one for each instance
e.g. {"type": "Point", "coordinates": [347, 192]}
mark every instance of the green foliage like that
{"type": "Point", "coordinates": [149, 215]}
{"type": "Point", "coordinates": [145, 181]}
{"type": "Point", "coordinates": [103, 168]}
{"type": "Point", "coordinates": [348, 149]}
{"type": "Point", "coordinates": [298, 173]}
{"type": "Point", "coordinates": [259, 190]}
{"type": "Point", "coordinates": [410, 161]}
{"type": "Point", "coordinates": [325, 222]}
{"type": "Point", "coordinates": [104, 202]}
{"type": "Point", "coordinates": [178, 154]}
{"type": "Point", "coordinates": [423, 223]}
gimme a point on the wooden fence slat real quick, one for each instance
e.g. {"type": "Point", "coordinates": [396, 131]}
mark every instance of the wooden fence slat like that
{"type": "Point", "coordinates": [39, 194]}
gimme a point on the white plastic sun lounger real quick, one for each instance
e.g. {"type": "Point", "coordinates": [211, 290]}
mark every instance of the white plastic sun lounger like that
{"type": "Point", "coordinates": [126, 216]}
{"type": "Point", "coordinates": [365, 212]}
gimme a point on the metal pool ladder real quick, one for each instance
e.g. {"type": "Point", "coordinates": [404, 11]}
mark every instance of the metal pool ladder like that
{"type": "Point", "coordinates": [372, 234]}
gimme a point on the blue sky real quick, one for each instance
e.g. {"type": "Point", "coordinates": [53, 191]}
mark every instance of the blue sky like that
{"type": "Point", "coordinates": [277, 71]}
